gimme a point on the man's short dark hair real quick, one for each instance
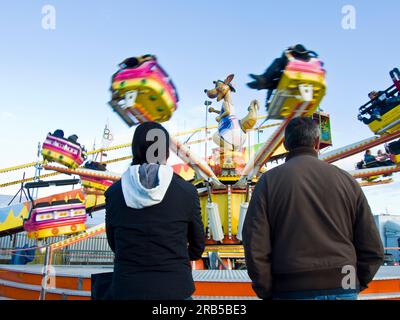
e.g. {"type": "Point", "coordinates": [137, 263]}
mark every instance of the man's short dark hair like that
{"type": "Point", "coordinates": [146, 135]}
{"type": "Point", "coordinates": [301, 132]}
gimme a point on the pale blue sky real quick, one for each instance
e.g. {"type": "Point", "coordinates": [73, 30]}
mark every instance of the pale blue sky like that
{"type": "Point", "coordinates": [60, 78]}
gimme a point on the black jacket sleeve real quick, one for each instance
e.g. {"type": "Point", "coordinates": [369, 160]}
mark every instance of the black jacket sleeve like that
{"type": "Point", "coordinates": [257, 243]}
{"type": "Point", "coordinates": [367, 242]}
{"type": "Point", "coordinates": [109, 228]}
{"type": "Point", "coordinates": [274, 71]}
{"type": "Point", "coordinates": [196, 237]}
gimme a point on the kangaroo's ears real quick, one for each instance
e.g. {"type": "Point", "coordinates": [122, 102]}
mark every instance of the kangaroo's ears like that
{"type": "Point", "coordinates": [229, 78]}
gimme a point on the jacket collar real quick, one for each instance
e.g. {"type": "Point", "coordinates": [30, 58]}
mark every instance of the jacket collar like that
{"type": "Point", "coordinates": [302, 151]}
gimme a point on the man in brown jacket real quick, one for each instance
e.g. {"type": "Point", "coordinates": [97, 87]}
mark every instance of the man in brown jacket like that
{"type": "Point", "coordinates": [309, 232]}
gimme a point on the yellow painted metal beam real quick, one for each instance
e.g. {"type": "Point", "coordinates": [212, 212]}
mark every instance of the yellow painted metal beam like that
{"type": "Point", "coordinates": [21, 166]}
{"type": "Point", "coordinates": [8, 184]}
{"type": "Point", "coordinates": [126, 145]}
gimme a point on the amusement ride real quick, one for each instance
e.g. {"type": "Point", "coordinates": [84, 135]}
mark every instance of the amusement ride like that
{"type": "Point", "coordinates": [142, 91]}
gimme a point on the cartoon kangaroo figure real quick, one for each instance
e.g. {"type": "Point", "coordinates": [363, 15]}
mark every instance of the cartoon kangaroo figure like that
{"type": "Point", "coordinates": [231, 131]}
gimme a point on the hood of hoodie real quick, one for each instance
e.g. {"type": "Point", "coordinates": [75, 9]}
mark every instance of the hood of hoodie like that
{"type": "Point", "coordinates": [145, 185]}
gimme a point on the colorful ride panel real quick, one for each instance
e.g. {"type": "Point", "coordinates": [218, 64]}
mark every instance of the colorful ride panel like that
{"type": "Point", "coordinates": [96, 184]}
{"type": "Point", "coordinates": [389, 123]}
{"type": "Point", "coordinates": [62, 151]}
{"type": "Point", "coordinates": [93, 185]}
{"type": "Point", "coordinates": [323, 121]}
{"type": "Point", "coordinates": [296, 75]}
{"type": "Point", "coordinates": [143, 91]}
{"type": "Point", "coordinates": [382, 112]}
{"type": "Point", "coordinates": [56, 218]}
{"type": "Point", "coordinates": [12, 217]}
{"type": "Point", "coordinates": [228, 202]}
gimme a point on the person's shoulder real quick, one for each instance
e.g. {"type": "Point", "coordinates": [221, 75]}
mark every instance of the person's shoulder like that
{"type": "Point", "coordinates": [278, 170]}
{"type": "Point", "coordinates": [114, 188]}
{"type": "Point", "coordinates": [182, 183]}
{"type": "Point", "coordinates": [270, 175]}
{"type": "Point", "coordinates": [179, 180]}
{"type": "Point", "coordinates": [343, 174]}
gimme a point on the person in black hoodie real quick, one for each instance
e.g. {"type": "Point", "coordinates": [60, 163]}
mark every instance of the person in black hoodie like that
{"type": "Point", "coordinates": [153, 224]}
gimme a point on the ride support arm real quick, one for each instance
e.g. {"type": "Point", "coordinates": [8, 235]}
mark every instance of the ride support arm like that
{"type": "Point", "coordinates": [196, 236]}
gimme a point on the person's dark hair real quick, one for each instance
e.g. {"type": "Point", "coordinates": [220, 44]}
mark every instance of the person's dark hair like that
{"type": "Point", "coordinates": [299, 49]}
{"type": "Point", "coordinates": [373, 94]}
{"type": "Point", "coordinates": [301, 132]}
{"type": "Point", "coordinates": [58, 133]}
{"type": "Point", "coordinates": [144, 137]}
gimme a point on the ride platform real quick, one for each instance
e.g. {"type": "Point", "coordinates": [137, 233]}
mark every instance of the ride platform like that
{"type": "Point", "coordinates": [73, 283]}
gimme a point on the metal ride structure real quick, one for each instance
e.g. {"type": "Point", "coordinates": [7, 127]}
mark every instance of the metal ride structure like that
{"type": "Point", "coordinates": [142, 91]}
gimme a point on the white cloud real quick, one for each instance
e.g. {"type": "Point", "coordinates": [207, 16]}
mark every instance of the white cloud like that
{"type": "Point", "coordinates": [384, 198]}
{"type": "Point", "coordinates": [6, 116]}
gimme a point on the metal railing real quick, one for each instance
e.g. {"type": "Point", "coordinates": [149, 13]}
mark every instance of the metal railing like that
{"type": "Point", "coordinates": [94, 250]}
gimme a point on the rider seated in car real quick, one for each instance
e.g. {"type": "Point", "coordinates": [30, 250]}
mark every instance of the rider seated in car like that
{"type": "Point", "coordinates": [370, 160]}
{"type": "Point", "coordinates": [95, 166]}
{"type": "Point", "coordinates": [381, 104]}
{"type": "Point", "coordinates": [383, 159]}
{"type": "Point", "coordinates": [375, 110]}
{"type": "Point", "coordinates": [378, 161]}
{"type": "Point", "coordinates": [134, 62]}
{"type": "Point", "coordinates": [58, 134]}
{"type": "Point", "coordinates": [271, 77]}
{"type": "Point", "coordinates": [74, 139]}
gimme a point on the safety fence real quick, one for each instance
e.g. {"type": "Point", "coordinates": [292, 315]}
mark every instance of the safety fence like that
{"type": "Point", "coordinates": [64, 250]}
{"type": "Point", "coordinates": [19, 249]}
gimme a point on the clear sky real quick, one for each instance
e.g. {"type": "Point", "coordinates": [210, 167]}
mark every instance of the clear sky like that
{"type": "Point", "coordinates": [60, 78]}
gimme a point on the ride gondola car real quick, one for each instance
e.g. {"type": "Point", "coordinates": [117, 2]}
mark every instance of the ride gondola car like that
{"type": "Point", "coordinates": [288, 93]}
{"type": "Point", "coordinates": [375, 162]}
{"type": "Point", "coordinates": [379, 117]}
{"type": "Point", "coordinates": [143, 91]}
{"type": "Point", "coordinates": [393, 149]}
{"type": "Point", "coordinates": [322, 119]}
{"type": "Point", "coordinates": [59, 217]}
{"type": "Point", "coordinates": [95, 185]}
{"type": "Point", "coordinates": [66, 151]}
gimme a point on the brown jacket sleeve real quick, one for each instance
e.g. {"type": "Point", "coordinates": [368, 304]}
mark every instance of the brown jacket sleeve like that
{"type": "Point", "coordinates": [257, 244]}
{"type": "Point", "coordinates": [367, 242]}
